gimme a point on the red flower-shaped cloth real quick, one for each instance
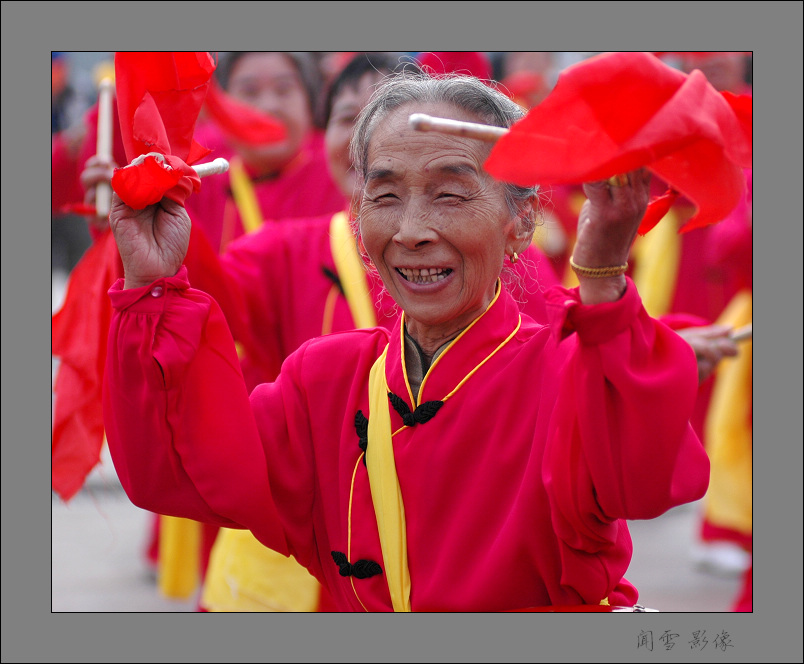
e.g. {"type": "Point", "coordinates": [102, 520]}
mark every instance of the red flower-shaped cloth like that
{"type": "Point", "coordinates": [159, 96]}
{"type": "Point", "coordinates": [616, 112]}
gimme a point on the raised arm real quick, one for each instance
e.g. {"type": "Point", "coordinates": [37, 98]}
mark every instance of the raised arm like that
{"type": "Point", "coordinates": [176, 409]}
{"type": "Point", "coordinates": [607, 226]}
{"type": "Point", "coordinates": [621, 445]}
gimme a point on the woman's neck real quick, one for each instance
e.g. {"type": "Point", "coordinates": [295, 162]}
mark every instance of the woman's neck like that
{"type": "Point", "coordinates": [418, 362]}
{"type": "Point", "coordinates": [428, 345]}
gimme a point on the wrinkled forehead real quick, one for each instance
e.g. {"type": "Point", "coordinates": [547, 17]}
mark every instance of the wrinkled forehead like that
{"type": "Point", "coordinates": [392, 136]}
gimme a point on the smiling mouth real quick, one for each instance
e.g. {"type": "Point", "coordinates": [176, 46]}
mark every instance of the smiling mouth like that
{"type": "Point", "coordinates": [424, 276]}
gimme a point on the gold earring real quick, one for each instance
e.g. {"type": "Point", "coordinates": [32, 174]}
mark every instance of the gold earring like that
{"type": "Point", "coordinates": [514, 258]}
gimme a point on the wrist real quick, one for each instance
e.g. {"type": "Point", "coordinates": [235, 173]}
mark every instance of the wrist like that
{"type": "Point", "coordinates": [135, 283]}
{"type": "Point", "coordinates": [594, 271]}
{"type": "Point", "coordinates": [130, 282]}
{"type": "Point", "coordinates": [600, 290]}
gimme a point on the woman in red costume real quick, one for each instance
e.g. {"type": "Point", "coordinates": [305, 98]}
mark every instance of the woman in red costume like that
{"type": "Point", "coordinates": [471, 459]}
{"type": "Point", "coordinates": [301, 279]}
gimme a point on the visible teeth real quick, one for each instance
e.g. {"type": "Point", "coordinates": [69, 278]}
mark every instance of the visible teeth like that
{"type": "Point", "coordinates": [423, 276]}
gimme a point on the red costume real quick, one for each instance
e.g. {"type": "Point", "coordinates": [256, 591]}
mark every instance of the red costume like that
{"type": "Point", "coordinates": [289, 280]}
{"type": "Point", "coordinates": [516, 491]}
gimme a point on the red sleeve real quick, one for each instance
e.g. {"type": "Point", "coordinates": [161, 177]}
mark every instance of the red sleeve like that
{"type": "Point", "coordinates": [620, 444]}
{"type": "Point", "coordinates": [256, 265]}
{"type": "Point", "coordinates": [176, 410]}
{"type": "Point", "coordinates": [207, 272]}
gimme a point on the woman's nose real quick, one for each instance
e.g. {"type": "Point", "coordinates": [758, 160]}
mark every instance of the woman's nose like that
{"type": "Point", "coordinates": [415, 229]}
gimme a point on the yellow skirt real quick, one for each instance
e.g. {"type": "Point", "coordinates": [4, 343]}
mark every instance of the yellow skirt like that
{"type": "Point", "coordinates": [729, 432]}
{"type": "Point", "coordinates": [246, 576]}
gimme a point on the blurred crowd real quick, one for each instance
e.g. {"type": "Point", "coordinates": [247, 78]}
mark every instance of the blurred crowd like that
{"type": "Point", "coordinates": [705, 277]}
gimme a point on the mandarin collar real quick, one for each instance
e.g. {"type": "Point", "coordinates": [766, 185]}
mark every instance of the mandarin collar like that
{"type": "Point", "coordinates": [458, 357]}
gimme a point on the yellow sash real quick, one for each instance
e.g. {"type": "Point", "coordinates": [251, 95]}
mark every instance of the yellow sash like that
{"type": "Point", "coordinates": [385, 492]}
{"type": "Point", "coordinates": [657, 256]}
{"type": "Point", "coordinates": [244, 196]}
{"type": "Point", "coordinates": [386, 495]}
{"type": "Point", "coordinates": [728, 431]}
{"type": "Point", "coordinates": [351, 271]}
{"type": "Point", "coordinates": [179, 546]}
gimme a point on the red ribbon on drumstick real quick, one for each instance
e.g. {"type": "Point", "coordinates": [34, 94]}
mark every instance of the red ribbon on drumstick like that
{"type": "Point", "coordinates": [159, 96]}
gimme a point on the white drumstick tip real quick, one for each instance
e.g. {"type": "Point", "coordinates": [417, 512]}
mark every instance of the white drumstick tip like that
{"type": "Point", "coordinates": [481, 132]}
{"type": "Point", "coordinates": [419, 122]}
{"type": "Point", "coordinates": [219, 165]}
{"type": "Point", "coordinates": [743, 334]}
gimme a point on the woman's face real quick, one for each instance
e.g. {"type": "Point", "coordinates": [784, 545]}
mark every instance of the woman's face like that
{"type": "Point", "coordinates": [434, 223]}
{"type": "Point", "coordinates": [270, 83]}
{"type": "Point", "coordinates": [345, 108]}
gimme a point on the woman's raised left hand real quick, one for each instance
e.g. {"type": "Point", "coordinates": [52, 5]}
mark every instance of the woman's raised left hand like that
{"type": "Point", "coordinates": [607, 226]}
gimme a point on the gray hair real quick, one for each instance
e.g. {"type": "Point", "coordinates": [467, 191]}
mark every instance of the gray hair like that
{"type": "Point", "coordinates": [467, 93]}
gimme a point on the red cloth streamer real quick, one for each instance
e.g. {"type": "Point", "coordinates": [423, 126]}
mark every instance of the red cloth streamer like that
{"type": "Point", "coordinates": [159, 96]}
{"type": "Point", "coordinates": [84, 209]}
{"type": "Point", "coordinates": [241, 121]}
{"type": "Point", "coordinates": [743, 107]}
{"type": "Point", "coordinates": [657, 208]}
{"type": "Point", "coordinates": [617, 112]}
{"type": "Point", "coordinates": [79, 331]}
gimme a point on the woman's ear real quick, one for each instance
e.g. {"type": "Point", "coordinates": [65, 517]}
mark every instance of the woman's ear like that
{"type": "Point", "coordinates": [362, 249]}
{"type": "Point", "coordinates": [524, 226]}
{"type": "Point", "coordinates": [354, 206]}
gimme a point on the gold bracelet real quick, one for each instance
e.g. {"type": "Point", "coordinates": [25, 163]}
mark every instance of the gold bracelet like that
{"type": "Point", "coordinates": [597, 272]}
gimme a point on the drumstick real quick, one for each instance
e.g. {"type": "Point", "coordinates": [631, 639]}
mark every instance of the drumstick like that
{"type": "Point", "coordinates": [219, 165]}
{"type": "Point", "coordinates": [488, 133]}
{"type": "Point", "coordinates": [741, 334]}
{"type": "Point", "coordinates": [103, 191]}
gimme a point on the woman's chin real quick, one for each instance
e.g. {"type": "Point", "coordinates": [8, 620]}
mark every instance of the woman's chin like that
{"type": "Point", "coordinates": [430, 304]}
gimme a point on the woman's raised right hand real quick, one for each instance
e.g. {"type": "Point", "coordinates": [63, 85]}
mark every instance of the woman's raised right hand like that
{"type": "Point", "coordinates": [152, 242]}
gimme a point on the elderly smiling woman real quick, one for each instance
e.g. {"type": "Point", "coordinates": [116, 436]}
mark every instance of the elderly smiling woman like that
{"type": "Point", "coordinates": [468, 460]}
